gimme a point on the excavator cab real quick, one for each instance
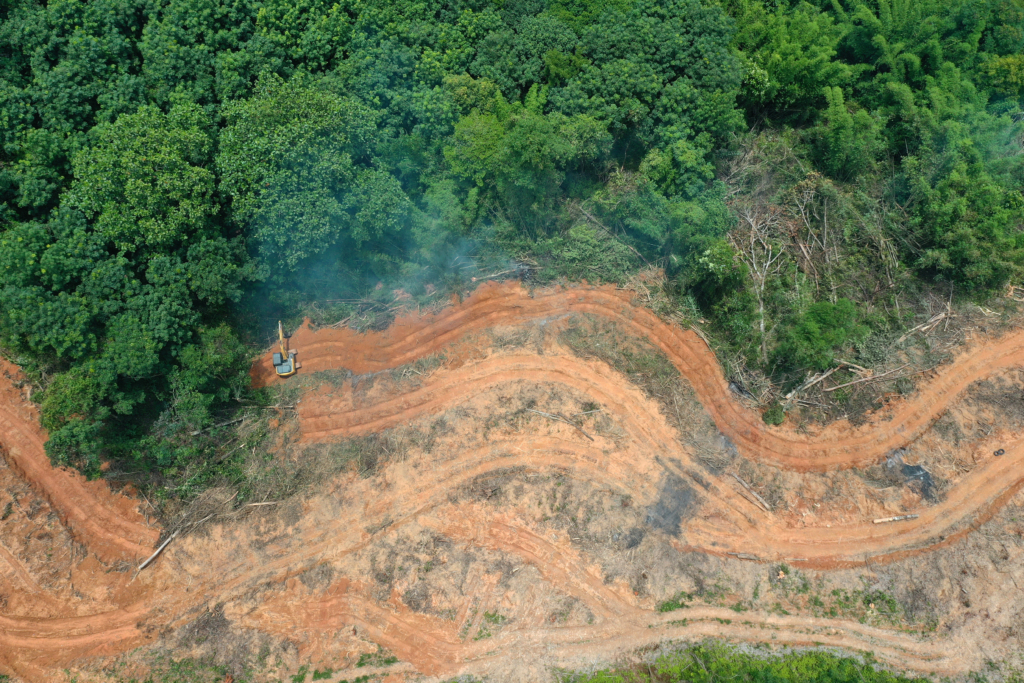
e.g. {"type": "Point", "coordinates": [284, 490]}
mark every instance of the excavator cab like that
{"type": "Point", "coordinates": [284, 360]}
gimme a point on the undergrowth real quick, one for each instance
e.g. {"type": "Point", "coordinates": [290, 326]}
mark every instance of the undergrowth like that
{"type": "Point", "coordinates": [186, 670]}
{"type": "Point", "coordinates": [712, 662]}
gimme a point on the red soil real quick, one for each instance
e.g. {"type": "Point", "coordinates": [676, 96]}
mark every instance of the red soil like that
{"type": "Point", "coordinates": [231, 563]}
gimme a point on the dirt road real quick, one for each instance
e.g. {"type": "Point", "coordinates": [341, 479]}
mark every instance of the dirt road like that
{"type": "Point", "coordinates": [258, 568]}
{"type": "Point", "coordinates": [968, 505]}
{"type": "Point", "coordinates": [108, 523]}
{"type": "Point", "coordinates": [836, 446]}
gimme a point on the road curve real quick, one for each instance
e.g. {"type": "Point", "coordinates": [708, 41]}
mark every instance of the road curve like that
{"type": "Point", "coordinates": [838, 445]}
{"type": "Point", "coordinates": [111, 526]}
{"type": "Point", "coordinates": [107, 523]}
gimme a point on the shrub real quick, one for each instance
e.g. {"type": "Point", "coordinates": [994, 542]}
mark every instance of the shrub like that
{"type": "Point", "coordinates": [811, 339]}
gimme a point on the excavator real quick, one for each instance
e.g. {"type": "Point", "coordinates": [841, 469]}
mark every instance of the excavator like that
{"type": "Point", "coordinates": [284, 360]}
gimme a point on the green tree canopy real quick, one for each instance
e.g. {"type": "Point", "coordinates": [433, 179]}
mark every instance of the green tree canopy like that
{"type": "Point", "coordinates": [297, 162]}
{"type": "Point", "coordinates": [177, 175]}
{"type": "Point", "coordinates": [147, 183]}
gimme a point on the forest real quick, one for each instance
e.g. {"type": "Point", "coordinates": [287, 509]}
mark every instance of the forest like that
{"type": "Point", "coordinates": [178, 175]}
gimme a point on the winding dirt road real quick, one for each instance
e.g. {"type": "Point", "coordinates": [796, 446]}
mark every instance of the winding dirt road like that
{"type": "Point", "coordinates": [839, 445]}
{"type": "Point", "coordinates": [969, 504]}
{"type": "Point", "coordinates": [632, 462]}
{"type": "Point", "coordinates": [109, 524]}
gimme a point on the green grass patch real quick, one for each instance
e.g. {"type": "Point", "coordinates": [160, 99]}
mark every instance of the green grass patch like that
{"type": "Point", "coordinates": [681, 601]}
{"type": "Point", "coordinates": [490, 619]}
{"type": "Point", "coordinates": [186, 670]}
{"type": "Point", "coordinates": [379, 658]}
{"type": "Point", "coordinates": [717, 663]}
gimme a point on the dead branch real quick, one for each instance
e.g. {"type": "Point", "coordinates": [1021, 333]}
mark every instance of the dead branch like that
{"type": "Point", "coordinates": [866, 379]}
{"type": "Point", "coordinates": [766, 506]}
{"type": "Point", "coordinates": [925, 326]}
{"type": "Point", "coordinates": [750, 499]}
{"type": "Point", "coordinates": [897, 518]}
{"type": "Point", "coordinates": [156, 552]}
{"type": "Point", "coordinates": [856, 367]}
{"type": "Point", "coordinates": [700, 333]}
{"type": "Point", "coordinates": [560, 418]}
{"type": "Point", "coordinates": [745, 556]}
{"type": "Point", "coordinates": [340, 323]}
{"type": "Point", "coordinates": [757, 250]}
{"type": "Point", "coordinates": [811, 382]}
{"type": "Point", "coordinates": [222, 424]}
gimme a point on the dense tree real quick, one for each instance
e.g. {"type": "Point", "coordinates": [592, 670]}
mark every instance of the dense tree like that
{"type": "Point", "coordinates": [147, 183]}
{"type": "Point", "coordinates": [297, 164]}
{"type": "Point", "coordinates": [170, 168]}
{"type": "Point", "coordinates": [790, 57]}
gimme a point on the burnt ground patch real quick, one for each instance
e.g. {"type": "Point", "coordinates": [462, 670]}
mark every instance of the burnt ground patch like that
{"type": "Point", "coordinates": [675, 499]}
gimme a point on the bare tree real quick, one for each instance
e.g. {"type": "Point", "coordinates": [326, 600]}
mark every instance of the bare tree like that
{"type": "Point", "coordinates": [812, 234]}
{"type": "Point", "coordinates": [755, 240]}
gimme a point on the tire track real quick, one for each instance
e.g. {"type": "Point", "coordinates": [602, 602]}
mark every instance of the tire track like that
{"type": "Point", "coordinates": [839, 445]}
{"type": "Point", "coordinates": [971, 502]}
{"type": "Point", "coordinates": [31, 646]}
{"type": "Point", "coordinates": [433, 646]}
{"type": "Point", "coordinates": [108, 524]}
{"type": "Point", "coordinates": [59, 641]}
{"type": "Point", "coordinates": [111, 528]}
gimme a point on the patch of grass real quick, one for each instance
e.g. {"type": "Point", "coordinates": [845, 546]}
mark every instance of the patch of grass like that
{"type": "Point", "coordinates": [490, 619]}
{"type": "Point", "coordinates": [712, 661]}
{"type": "Point", "coordinates": [680, 601]}
{"type": "Point", "coordinates": [187, 670]}
{"type": "Point", "coordinates": [379, 658]}
{"type": "Point", "coordinates": [419, 368]}
{"type": "Point", "coordinates": [513, 339]}
{"type": "Point", "coordinates": [865, 606]}
{"type": "Point", "coordinates": [319, 675]}
{"type": "Point", "coordinates": [464, 631]}
{"type": "Point", "coordinates": [774, 415]}
{"type": "Point", "coordinates": [645, 365]}
{"type": "Point", "coordinates": [786, 580]}
{"type": "Point", "coordinates": [713, 593]}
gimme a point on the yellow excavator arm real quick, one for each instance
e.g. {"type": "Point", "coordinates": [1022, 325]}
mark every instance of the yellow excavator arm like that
{"type": "Point", "coordinates": [284, 360]}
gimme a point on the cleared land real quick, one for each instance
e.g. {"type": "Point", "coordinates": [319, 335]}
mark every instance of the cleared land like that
{"type": "Point", "coordinates": [538, 505]}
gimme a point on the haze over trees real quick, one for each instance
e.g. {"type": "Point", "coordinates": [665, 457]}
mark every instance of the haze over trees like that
{"type": "Point", "coordinates": [177, 174]}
